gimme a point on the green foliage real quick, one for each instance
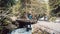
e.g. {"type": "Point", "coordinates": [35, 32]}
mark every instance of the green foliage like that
{"type": "Point", "coordinates": [12, 8]}
{"type": "Point", "coordinates": [54, 7]}
{"type": "Point", "coordinates": [41, 8]}
{"type": "Point", "coordinates": [7, 3]}
{"type": "Point", "coordinates": [52, 19]}
{"type": "Point", "coordinates": [7, 21]}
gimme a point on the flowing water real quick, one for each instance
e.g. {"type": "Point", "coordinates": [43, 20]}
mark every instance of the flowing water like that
{"type": "Point", "coordinates": [21, 31]}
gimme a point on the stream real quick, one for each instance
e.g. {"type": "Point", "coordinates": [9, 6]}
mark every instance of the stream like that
{"type": "Point", "coordinates": [21, 31]}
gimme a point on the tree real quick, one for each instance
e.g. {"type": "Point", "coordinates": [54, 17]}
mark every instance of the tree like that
{"type": "Point", "coordinates": [54, 7]}
{"type": "Point", "coordinates": [7, 3]}
{"type": "Point", "coordinates": [8, 7]}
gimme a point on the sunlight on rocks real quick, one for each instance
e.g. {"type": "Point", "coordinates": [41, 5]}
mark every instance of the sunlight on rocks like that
{"type": "Point", "coordinates": [13, 18]}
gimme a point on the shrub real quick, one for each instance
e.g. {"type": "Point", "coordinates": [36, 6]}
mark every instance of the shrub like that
{"type": "Point", "coordinates": [52, 19]}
